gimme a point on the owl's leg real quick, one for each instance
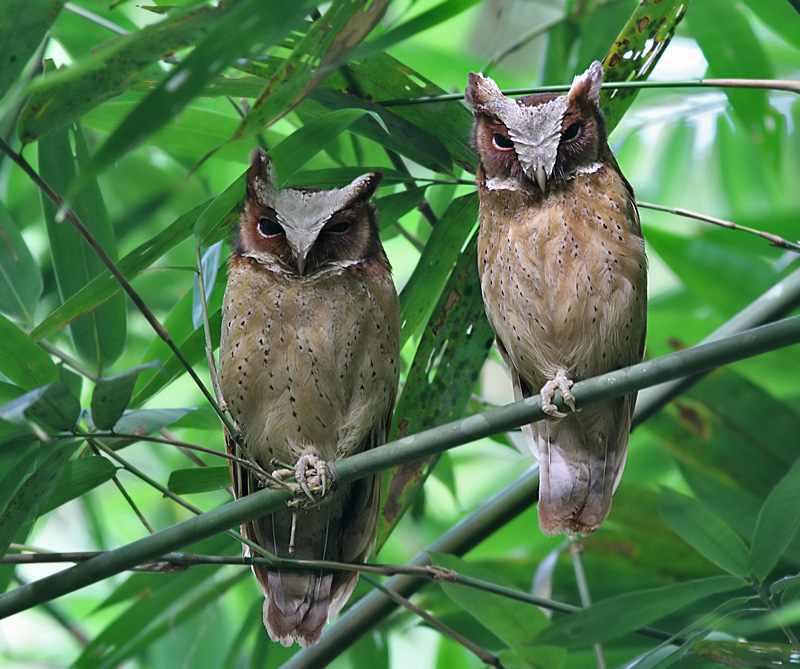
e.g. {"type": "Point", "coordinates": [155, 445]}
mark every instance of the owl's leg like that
{"type": "Point", "coordinates": [562, 383]}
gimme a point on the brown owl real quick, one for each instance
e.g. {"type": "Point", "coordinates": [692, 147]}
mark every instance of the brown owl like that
{"type": "Point", "coordinates": [309, 369]}
{"type": "Point", "coordinates": [564, 281]}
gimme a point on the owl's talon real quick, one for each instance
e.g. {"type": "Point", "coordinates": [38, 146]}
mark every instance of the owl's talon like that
{"type": "Point", "coordinates": [311, 472]}
{"type": "Point", "coordinates": [562, 383]}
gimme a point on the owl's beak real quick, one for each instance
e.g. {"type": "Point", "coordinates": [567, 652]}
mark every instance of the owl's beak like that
{"type": "Point", "coordinates": [540, 176]}
{"type": "Point", "coordinates": [301, 264]}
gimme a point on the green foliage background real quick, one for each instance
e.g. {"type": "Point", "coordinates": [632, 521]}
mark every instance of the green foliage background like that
{"type": "Point", "coordinates": [143, 117]}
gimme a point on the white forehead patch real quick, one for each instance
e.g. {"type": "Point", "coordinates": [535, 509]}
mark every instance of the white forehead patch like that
{"type": "Point", "coordinates": [535, 131]}
{"type": "Point", "coordinates": [303, 214]}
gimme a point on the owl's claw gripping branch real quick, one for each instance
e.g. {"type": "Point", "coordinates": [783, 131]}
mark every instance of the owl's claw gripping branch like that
{"type": "Point", "coordinates": [311, 471]}
{"type": "Point", "coordinates": [562, 383]}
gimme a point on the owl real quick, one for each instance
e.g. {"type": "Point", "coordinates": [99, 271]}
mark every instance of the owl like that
{"type": "Point", "coordinates": [564, 281]}
{"type": "Point", "coordinates": [309, 361]}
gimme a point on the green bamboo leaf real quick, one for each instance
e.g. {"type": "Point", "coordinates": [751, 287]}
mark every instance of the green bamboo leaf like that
{"type": "Point", "coordinates": [336, 177]}
{"type": "Point", "coordinates": [380, 78]}
{"type": "Point", "coordinates": [20, 278]}
{"type": "Point", "coordinates": [743, 654]}
{"type": "Point", "coordinates": [780, 17]}
{"type": "Point", "coordinates": [112, 395]}
{"type": "Point", "coordinates": [34, 489]}
{"type": "Point", "coordinates": [404, 137]}
{"type": "Point", "coordinates": [209, 266]}
{"type": "Point", "coordinates": [21, 360]}
{"type": "Point", "coordinates": [326, 44]}
{"type": "Point", "coordinates": [98, 337]}
{"type": "Point", "coordinates": [213, 223]}
{"type": "Point", "coordinates": [705, 532]}
{"type": "Point", "coordinates": [77, 478]}
{"type": "Point", "coordinates": [450, 355]}
{"type": "Point", "coordinates": [143, 422]}
{"type": "Point", "coordinates": [436, 263]}
{"type": "Point", "coordinates": [103, 286]}
{"type": "Point", "coordinates": [292, 154]}
{"type": "Point", "coordinates": [57, 407]}
{"type": "Point", "coordinates": [515, 623]}
{"type": "Point", "coordinates": [394, 206]}
{"type": "Point", "coordinates": [60, 98]}
{"type": "Point", "coordinates": [199, 479]}
{"type": "Point", "coordinates": [634, 54]}
{"type": "Point", "coordinates": [254, 22]}
{"type": "Point", "coordinates": [777, 523]}
{"type": "Point", "coordinates": [23, 26]}
{"type": "Point", "coordinates": [444, 11]}
{"type": "Point", "coordinates": [620, 615]}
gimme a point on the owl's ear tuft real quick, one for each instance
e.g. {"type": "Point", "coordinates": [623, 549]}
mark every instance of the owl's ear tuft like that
{"type": "Point", "coordinates": [363, 188]}
{"type": "Point", "coordinates": [481, 91]}
{"type": "Point", "coordinates": [260, 168]}
{"type": "Point", "coordinates": [587, 85]}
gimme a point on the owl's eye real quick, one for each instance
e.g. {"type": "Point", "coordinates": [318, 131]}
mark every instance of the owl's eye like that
{"type": "Point", "coordinates": [571, 132]}
{"type": "Point", "coordinates": [337, 227]}
{"type": "Point", "coordinates": [269, 228]}
{"type": "Point", "coordinates": [501, 142]}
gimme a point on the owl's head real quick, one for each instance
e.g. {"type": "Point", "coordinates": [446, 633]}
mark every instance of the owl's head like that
{"type": "Point", "coordinates": [306, 230]}
{"type": "Point", "coordinates": [538, 139]}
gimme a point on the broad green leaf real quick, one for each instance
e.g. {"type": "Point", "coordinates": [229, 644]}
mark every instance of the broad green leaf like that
{"type": "Point", "coordinates": [392, 207]}
{"type": "Point", "coordinates": [337, 177]}
{"type": "Point", "coordinates": [326, 45]}
{"type": "Point", "coordinates": [634, 54]}
{"type": "Point", "coordinates": [701, 264]}
{"type": "Point", "coordinates": [515, 623]}
{"type": "Point", "coordinates": [436, 263]}
{"type": "Point", "coordinates": [57, 407]}
{"type": "Point", "coordinates": [380, 78]}
{"type": "Point", "coordinates": [20, 278]}
{"type": "Point", "coordinates": [78, 477]}
{"type": "Point", "coordinates": [450, 355]}
{"type": "Point", "coordinates": [254, 22]}
{"type": "Point", "coordinates": [103, 286]}
{"type": "Point", "coordinates": [620, 615]}
{"type": "Point", "coordinates": [112, 395]}
{"type": "Point", "coordinates": [706, 532]}
{"type": "Point", "coordinates": [23, 26]}
{"type": "Point", "coordinates": [405, 138]}
{"type": "Point", "coordinates": [61, 97]}
{"type": "Point", "coordinates": [777, 524]}
{"type": "Point", "coordinates": [34, 489]}
{"type": "Point", "coordinates": [21, 360]}
{"type": "Point", "coordinates": [145, 421]}
{"type": "Point", "coordinates": [780, 17]}
{"type": "Point", "coordinates": [199, 479]}
{"type": "Point", "coordinates": [743, 654]}
{"type": "Point", "coordinates": [213, 223]}
{"type": "Point", "coordinates": [209, 264]}
{"type": "Point", "coordinates": [291, 155]}
{"type": "Point", "coordinates": [99, 336]}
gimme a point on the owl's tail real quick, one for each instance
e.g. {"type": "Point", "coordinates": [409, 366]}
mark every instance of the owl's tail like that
{"type": "Point", "coordinates": [341, 528]}
{"type": "Point", "coordinates": [581, 458]}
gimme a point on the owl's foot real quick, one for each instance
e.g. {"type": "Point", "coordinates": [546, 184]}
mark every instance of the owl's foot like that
{"type": "Point", "coordinates": [311, 472]}
{"type": "Point", "coordinates": [562, 383]}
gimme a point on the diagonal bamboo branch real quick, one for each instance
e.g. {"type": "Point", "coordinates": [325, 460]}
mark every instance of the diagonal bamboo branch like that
{"type": "Point", "coordinates": [667, 368]}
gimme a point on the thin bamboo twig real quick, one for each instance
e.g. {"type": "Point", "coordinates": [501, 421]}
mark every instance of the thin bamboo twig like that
{"type": "Point", "coordinates": [774, 240]}
{"type": "Point", "coordinates": [789, 85]}
{"type": "Point", "coordinates": [508, 504]}
{"type": "Point", "coordinates": [483, 655]}
{"type": "Point", "coordinates": [79, 226]}
{"type": "Point", "coordinates": [521, 42]}
{"type": "Point", "coordinates": [576, 553]}
{"type": "Point", "coordinates": [132, 504]}
{"type": "Point", "coordinates": [188, 452]}
{"type": "Point", "coordinates": [68, 360]}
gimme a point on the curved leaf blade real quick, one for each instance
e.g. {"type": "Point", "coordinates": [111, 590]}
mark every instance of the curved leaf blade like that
{"type": "Point", "coordinates": [21, 360]}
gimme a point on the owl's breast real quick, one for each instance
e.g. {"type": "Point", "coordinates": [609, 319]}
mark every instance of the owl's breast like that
{"type": "Point", "coordinates": [308, 365]}
{"type": "Point", "coordinates": [564, 277]}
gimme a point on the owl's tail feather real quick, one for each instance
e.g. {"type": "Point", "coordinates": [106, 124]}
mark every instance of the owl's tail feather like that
{"type": "Point", "coordinates": [296, 606]}
{"type": "Point", "coordinates": [581, 458]}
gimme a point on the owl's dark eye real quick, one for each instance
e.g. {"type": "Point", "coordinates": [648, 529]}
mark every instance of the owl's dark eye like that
{"type": "Point", "coordinates": [501, 142]}
{"type": "Point", "coordinates": [337, 227]}
{"type": "Point", "coordinates": [571, 132]}
{"type": "Point", "coordinates": [269, 228]}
